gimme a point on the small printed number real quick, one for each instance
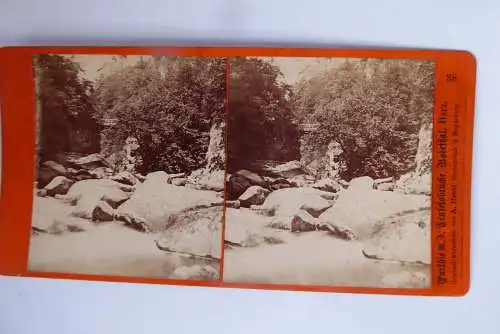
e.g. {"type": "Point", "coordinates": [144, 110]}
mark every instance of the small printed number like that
{"type": "Point", "coordinates": [451, 77]}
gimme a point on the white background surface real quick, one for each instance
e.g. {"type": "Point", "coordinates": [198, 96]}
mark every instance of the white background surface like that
{"type": "Point", "coordinates": [52, 306]}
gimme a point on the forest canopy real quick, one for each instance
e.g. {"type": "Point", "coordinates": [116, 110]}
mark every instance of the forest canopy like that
{"type": "Point", "coordinates": [373, 109]}
{"type": "Point", "coordinates": [168, 103]}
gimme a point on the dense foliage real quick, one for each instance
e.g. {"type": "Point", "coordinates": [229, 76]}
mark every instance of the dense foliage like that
{"type": "Point", "coordinates": [373, 109]}
{"type": "Point", "coordinates": [169, 104]}
{"type": "Point", "coordinates": [261, 122]}
{"type": "Point", "coordinates": [66, 122]}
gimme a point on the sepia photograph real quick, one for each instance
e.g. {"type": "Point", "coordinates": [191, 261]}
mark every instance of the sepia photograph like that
{"type": "Point", "coordinates": [130, 166]}
{"type": "Point", "coordinates": [329, 172]}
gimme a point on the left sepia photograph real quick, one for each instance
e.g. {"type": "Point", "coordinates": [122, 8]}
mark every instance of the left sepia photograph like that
{"type": "Point", "coordinates": [130, 166]}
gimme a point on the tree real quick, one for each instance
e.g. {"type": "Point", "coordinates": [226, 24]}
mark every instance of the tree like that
{"type": "Point", "coordinates": [261, 123]}
{"type": "Point", "coordinates": [373, 109]}
{"type": "Point", "coordinates": [169, 104]}
{"type": "Point", "coordinates": [66, 111]}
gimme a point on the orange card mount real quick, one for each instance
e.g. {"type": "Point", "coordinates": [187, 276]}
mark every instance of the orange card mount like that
{"type": "Point", "coordinates": [327, 170]}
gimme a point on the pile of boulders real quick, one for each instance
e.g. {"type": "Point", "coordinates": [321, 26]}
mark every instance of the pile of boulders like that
{"type": "Point", "coordinates": [368, 210]}
{"type": "Point", "coordinates": [162, 203]}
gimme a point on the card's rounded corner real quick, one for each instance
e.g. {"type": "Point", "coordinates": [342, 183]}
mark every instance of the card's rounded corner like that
{"type": "Point", "coordinates": [469, 57]}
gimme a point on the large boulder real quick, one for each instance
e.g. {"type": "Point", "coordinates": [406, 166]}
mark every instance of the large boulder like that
{"type": "Point", "coordinates": [155, 202]}
{"type": "Point", "coordinates": [254, 178]}
{"type": "Point", "coordinates": [245, 228]}
{"type": "Point", "coordinates": [87, 194]}
{"type": "Point", "coordinates": [255, 195]}
{"type": "Point", "coordinates": [288, 202]}
{"type": "Point", "coordinates": [412, 183]}
{"type": "Point", "coordinates": [240, 181]}
{"type": "Point", "coordinates": [197, 233]}
{"type": "Point", "coordinates": [207, 180]}
{"type": "Point", "coordinates": [53, 217]}
{"type": "Point", "coordinates": [360, 211]}
{"type": "Point", "coordinates": [47, 171]}
{"type": "Point", "coordinates": [362, 183]}
{"type": "Point", "coordinates": [58, 186]}
{"type": "Point", "coordinates": [404, 238]}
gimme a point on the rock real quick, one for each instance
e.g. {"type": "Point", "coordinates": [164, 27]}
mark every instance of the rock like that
{"type": "Point", "coordinates": [280, 183]}
{"type": "Point", "coordinates": [196, 233]}
{"type": "Point", "coordinates": [236, 186]}
{"type": "Point", "coordinates": [254, 178]}
{"type": "Point", "coordinates": [82, 174]}
{"type": "Point", "coordinates": [196, 272]}
{"type": "Point", "coordinates": [159, 176]}
{"type": "Point", "coordinates": [213, 181]}
{"type": "Point", "coordinates": [385, 186]}
{"type": "Point", "coordinates": [405, 238]}
{"type": "Point", "coordinates": [56, 167]}
{"type": "Point", "coordinates": [58, 186]}
{"type": "Point", "coordinates": [240, 181]}
{"type": "Point", "coordinates": [288, 202]}
{"type": "Point", "coordinates": [287, 170]}
{"type": "Point", "coordinates": [156, 202]}
{"type": "Point", "coordinates": [171, 177]}
{"type": "Point", "coordinates": [338, 231]}
{"type": "Point", "coordinates": [263, 211]}
{"type": "Point", "coordinates": [207, 180]}
{"type": "Point", "coordinates": [52, 217]}
{"type": "Point", "coordinates": [181, 181]}
{"type": "Point", "coordinates": [406, 280]}
{"type": "Point", "coordinates": [126, 178]}
{"type": "Point", "coordinates": [47, 171]}
{"type": "Point", "coordinates": [89, 162]}
{"type": "Point", "coordinates": [88, 193]}
{"type": "Point", "coordinates": [328, 185]}
{"type": "Point", "coordinates": [303, 222]}
{"type": "Point", "coordinates": [232, 204]}
{"type": "Point", "coordinates": [102, 212]}
{"type": "Point", "coordinates": [361, 183]}
{"type": "Point", "coordinates": [244, 228]}
{"type": "Point", "coordinates": [419, 181]}
{"type": "Point", "coordinates": [41, 192]}
{"type": "Point", "coordinates": [361, 210]}
{"type": "Point", "coordinates": [412, 183]}
{"type": "Point", "coordinates": [317, 207]}
{"type": "Point", "coordinates": [255, 195]}
{"type": "Point", "coordinates": [216, 151]}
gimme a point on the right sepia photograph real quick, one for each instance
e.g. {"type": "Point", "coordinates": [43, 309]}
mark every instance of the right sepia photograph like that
{"type": "Point", "coordinates": [329, 172]}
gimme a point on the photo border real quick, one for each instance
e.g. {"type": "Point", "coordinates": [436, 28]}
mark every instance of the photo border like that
{"type": "Point", "coordinates": [17, 103]}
